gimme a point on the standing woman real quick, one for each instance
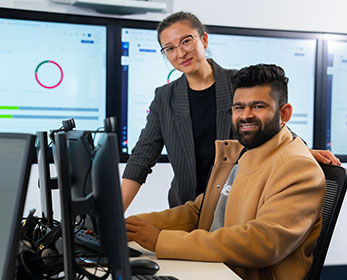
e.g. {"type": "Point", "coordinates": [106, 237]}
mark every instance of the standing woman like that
{"type": "Point", "coordinates": [186, 116]}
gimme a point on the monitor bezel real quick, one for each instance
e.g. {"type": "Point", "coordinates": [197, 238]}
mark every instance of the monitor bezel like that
{"type": "Point", "coordinates": [10, 261]}
{"type": "Point", "coordinates": [323, 106]}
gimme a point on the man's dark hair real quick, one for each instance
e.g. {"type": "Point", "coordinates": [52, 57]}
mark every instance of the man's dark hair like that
{"type": "Point", "coordinates": [191, 19]}
{"type": "Point", "coordinates": [264, 75]}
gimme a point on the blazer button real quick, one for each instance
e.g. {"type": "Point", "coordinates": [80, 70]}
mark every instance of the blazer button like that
{"type": "Point", "coordinates": [225, 159]}
{"type": "Point", "coordinates": [226, 143]}
{"type": "Point", "coordinates": [218, 186]}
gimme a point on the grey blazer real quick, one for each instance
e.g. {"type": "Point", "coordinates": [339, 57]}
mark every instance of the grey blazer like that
{"type": "Point", "coordinates": [169, 123]}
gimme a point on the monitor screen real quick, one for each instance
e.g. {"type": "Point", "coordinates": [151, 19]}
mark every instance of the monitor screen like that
{"type": "Point", "coordinates": [51, 70]}
{"type": "Point", "coordinates": [16, 154]}
{"type": "Point", "coordinates": [336, 102]}
{"type": "Point", "coordinates": [144, 68]}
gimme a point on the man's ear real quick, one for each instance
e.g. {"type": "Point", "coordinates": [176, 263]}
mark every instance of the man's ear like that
{"type": "Point", "coordinates": [286, 113]}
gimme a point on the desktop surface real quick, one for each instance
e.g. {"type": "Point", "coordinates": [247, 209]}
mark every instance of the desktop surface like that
{"type": "Point", "coordinates": [187, 270]}
{"type": "Point", "coordinates": [182, 269]}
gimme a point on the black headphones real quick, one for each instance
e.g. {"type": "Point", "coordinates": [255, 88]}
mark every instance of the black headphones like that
{"type": "Point", "coordinates": [110, 124]}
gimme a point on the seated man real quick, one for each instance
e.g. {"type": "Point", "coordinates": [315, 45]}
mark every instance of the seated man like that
{"type": "Point", "coordinates": [261, 213]}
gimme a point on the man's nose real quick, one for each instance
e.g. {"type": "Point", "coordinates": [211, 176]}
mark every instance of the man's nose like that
{"type": "Point", "coordinates": [247, 113]}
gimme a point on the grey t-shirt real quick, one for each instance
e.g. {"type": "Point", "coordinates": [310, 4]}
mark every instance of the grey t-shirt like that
{"type": "Point", "coordinates": [219, 213]}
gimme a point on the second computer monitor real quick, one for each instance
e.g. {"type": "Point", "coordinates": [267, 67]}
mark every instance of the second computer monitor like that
{"type": "Point", "coordinates": [109, 207]}
{"type": "Point", "coordinates": [143, 68]}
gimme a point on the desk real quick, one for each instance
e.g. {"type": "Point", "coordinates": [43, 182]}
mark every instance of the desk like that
{"type": "Point", "coordinates": [188, 270]}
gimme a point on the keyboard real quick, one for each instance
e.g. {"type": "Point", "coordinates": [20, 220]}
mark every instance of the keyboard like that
{"type": "Point", "coordinates": [153, 277]}
{"type": "Point", "coordinates": [92, 242]}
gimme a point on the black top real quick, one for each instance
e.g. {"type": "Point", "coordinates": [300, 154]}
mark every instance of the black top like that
{"type": "Point", "coordinates": [203, 115]}
{"type": "Point", "coordinates": [169, 122]}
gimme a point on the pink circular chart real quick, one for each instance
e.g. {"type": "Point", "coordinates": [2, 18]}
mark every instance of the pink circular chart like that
{"type": "Point", "coordinates": [57, 65]}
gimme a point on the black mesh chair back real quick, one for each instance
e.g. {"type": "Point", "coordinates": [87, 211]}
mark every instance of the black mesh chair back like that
{"type": "Point", "coordinates": [335, 191]}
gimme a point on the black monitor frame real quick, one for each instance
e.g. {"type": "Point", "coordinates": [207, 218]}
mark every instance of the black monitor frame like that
{"type": "Point", "coordinates": [11, 254]}
{"type": "Point", "coordinates": [46, 183]}
{"type": "Point", "coordinates": [109, 206]}
{"type": "Point", "coordinates": [318, 119]}
{"type": "Point", "coordinates": [325, 104]}
{"type": "Point", "coordinates": [64, 182]}
{"type": "Point", "coordinates": [104, 203]}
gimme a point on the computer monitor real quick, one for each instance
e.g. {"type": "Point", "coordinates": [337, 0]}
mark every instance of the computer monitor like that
{"type": "Point", "coordinates": [106, 204]}
{"type": "Point", "coordinates": [80, 153]}
{"type": "Point", "coordinates": [335, 103]}
{"type": "Point", "coordinates": [109, 207]}
{"type": "Point", "coordinates": [46, 183]}
{"type": "Point", "coordinates": [16, 156]}
{"type": "Point", "coordinates": [53, 67]}
{"type": "Point", "coordinates": [143, 68]}
{"type": "Point", "coordinates": [62, 163]}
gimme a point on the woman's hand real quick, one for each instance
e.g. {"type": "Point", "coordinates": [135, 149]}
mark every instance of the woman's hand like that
{"type": "Point", "coordinates": [324, 156]}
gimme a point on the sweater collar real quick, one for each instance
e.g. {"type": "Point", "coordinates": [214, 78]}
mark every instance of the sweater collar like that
{"type": "Point", "coordinates": [228, 151]}
{"type": "Point", "coordinates": [255, 158]}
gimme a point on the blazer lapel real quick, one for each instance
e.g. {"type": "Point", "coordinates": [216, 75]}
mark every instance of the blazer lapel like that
{"type": "Point", "coordinates": [185, 128]}
{"type": "Point", "coordinates": [224, 102]}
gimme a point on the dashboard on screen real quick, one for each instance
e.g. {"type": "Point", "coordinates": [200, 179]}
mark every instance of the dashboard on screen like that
{"type": "Point", "coordinates": [144, 68]}
{"type": "Point", "coordinates": [336, 97]}
{"type": "Point", "coordinates": [51, 71]}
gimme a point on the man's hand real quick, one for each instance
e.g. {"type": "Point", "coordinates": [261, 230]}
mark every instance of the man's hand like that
{"type": "Point", "coordinates": [326, 157]}
{"type": "Point", "coordinates": [142, 232]}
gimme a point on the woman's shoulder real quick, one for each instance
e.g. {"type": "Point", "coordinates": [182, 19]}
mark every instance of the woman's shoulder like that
{"type": "Point", "coordinates": [169, 87]}
{"type": "Point", "coordinates": [219, 70]}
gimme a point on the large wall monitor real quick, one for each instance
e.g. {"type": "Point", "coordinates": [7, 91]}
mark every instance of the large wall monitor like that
{"type": "Point", "coordinates": [336, 101]}
{"type": "Point", "coordinates": [53, 67]}
{"type": "Point", "coordinates": [144, 68]}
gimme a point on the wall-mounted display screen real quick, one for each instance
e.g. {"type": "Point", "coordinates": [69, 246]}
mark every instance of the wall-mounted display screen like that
{"type": "Point", "coordinates": [51, 71]}
{"type": "Point", "coordinates": [144, 68]}
{"type": "Point", "coordinates": [336, 97]}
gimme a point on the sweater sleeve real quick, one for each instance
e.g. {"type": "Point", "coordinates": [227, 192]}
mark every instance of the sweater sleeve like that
{"type": "Point", "coordinates": [284, 220]}
{"type": "Point", "coordinates": [183, 217]}
{"type": "Point", "coordinates": [148, 148]}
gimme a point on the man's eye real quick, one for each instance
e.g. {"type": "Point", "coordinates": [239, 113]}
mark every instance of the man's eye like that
{"type": "Point", "coordinates": [238, 107]}
{"type": "Point", "coordinates": [258, 106]}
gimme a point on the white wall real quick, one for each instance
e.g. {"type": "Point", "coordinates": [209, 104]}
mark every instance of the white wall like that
{"type": "Point", "coordinates": [308, 15]}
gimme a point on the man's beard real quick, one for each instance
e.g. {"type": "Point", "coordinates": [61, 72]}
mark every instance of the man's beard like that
{"type": "Point", "coordinates": [253, 139]}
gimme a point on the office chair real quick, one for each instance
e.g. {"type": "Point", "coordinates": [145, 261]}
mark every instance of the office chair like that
{"type": "Point", "coordinates": [336, 184]}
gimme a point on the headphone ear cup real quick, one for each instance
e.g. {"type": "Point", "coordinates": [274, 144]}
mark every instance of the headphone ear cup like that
{"type": "Point", "coordinates": [110, 124]}
{"type": "Point", "coordinates": [47, 255]}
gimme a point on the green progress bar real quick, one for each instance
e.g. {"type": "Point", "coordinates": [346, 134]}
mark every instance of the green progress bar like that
{"type": "Point", "coordinates": [5, 116]}
{"type": "Point", "coordinates": [9, 107]}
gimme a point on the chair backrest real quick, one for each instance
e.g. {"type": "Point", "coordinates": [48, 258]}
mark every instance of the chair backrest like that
{"type": "Point", "coordinates": [336, 184]}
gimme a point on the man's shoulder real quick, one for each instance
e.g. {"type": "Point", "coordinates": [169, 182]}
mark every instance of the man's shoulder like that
{"type": "Point", "coordinates": [296, 149]}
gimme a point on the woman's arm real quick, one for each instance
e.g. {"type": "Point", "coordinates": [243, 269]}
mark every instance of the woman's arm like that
{"type": "Point", "coordinates": [129, 190]}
